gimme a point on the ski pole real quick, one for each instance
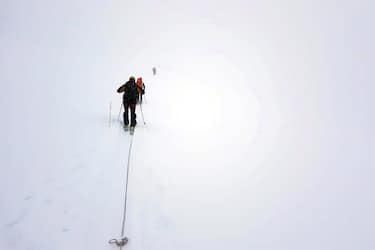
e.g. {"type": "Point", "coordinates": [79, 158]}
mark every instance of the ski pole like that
{"type": "Point", "coordinates": [142, 114]}
{"type": "Point", "coordinates": [119, 113]}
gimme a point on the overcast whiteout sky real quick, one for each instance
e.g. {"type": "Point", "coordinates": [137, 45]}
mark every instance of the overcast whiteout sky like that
{"type": "Point", "coordinates": [260, 126]}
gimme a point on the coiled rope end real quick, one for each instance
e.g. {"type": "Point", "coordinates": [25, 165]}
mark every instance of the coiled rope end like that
{"type": "Point", "coordinates": [120, 243]}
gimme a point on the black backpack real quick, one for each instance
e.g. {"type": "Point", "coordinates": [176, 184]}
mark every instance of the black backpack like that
{"type": "Point", "coordinates": [131, 92]}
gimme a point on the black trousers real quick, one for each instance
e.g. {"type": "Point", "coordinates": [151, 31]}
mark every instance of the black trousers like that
{"type": "Point", "coordinates": [133, 116]}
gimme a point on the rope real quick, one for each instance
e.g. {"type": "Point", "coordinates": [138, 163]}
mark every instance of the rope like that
{"type": "Point", "coordinates": [120, 243]}
{"type": "Point", "coordinates": [126, 187]}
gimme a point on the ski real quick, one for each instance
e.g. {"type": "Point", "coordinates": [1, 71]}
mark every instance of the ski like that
{"type": "Point", "coordinates": [126, 128]}
{"type": "Point", "coordinates": [131, 130]}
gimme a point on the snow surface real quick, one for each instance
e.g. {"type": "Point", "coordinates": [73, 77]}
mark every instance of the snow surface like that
{"type": "Point", "coordinates": [259, 124]}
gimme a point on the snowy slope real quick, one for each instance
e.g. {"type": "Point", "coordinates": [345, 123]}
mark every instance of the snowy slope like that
{"type": "Point", "coordinates": [259, 125]}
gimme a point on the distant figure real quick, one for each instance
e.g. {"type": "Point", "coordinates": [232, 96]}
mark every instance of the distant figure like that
{"type": "Point", "coordinates": [141, 89]}
{"type": "Point", "coordinates": [154, 71]}
{"type": "Point", "coordinates": [129, 99]}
